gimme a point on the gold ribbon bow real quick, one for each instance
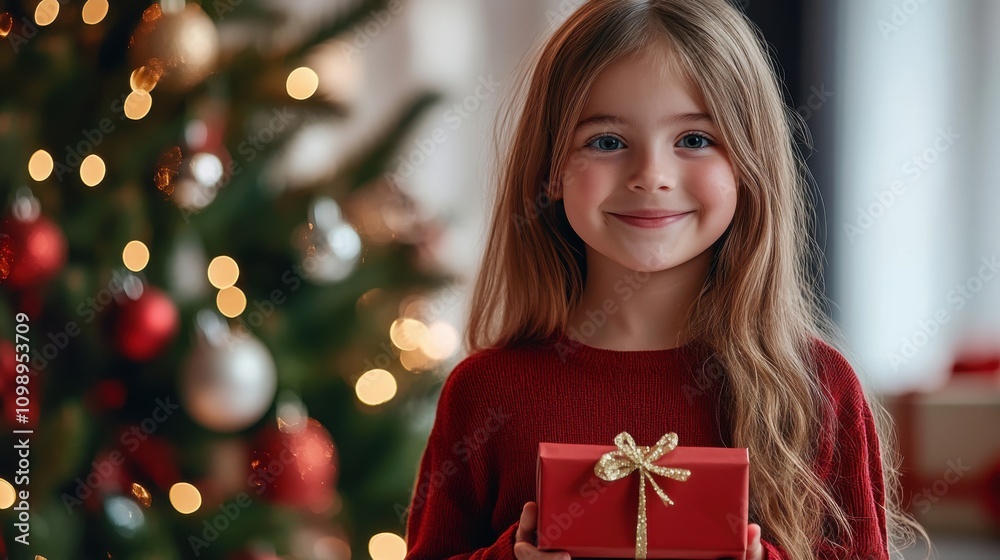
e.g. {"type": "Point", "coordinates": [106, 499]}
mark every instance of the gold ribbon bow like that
{"type": "Point", "coordinates": [615, 465]}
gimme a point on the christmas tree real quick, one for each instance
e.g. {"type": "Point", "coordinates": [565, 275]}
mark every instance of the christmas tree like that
{"type": "Point", "coordinates": [202, 354]}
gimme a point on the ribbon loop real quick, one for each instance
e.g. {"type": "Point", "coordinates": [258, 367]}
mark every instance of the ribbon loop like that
{"type": "Point", "coordinates": [629, 457]}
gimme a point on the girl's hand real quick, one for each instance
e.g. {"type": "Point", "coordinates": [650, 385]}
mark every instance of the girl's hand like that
{"type": "Point", "coordinates": [524, 548]}
{"type": "Point", "coordinates": [755, 550]}
{"type": "Point", "coordinates": [524, 543]}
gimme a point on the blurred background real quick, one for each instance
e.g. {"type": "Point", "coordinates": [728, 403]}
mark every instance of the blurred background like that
{"type": "Point", "coordinates": [238, 236]}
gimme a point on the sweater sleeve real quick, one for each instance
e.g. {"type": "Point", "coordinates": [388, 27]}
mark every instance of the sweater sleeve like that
{"type": "Point", "coordinates": [852, 470]}
{"type": "Point", "coordinates": [450, 510]}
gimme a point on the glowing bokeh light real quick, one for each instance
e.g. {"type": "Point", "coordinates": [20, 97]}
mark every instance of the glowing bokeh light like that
{"type": "Point", "coordinates": [185, 497]}
{"type": "Point", "coordinates": [206, 168]}
{"type": "Point", "coordinates": [7, 494]}
{"type": "Point", "coordinates": [387, 546]}
{"type": "Point", "coordinates": [137, 104]}
{"type": "Point", "coordinates": [231, 302]}
{"type": "Point", "coordinates": [46, 12]}
{"type": "Point", "coordinates": [143, 79]}
{"type": "Point", "coordinates": [376, 387]}
{"type": "Point", "coordinates": [302, 83]}
{"type": "Point", "coordinates": [407, 334]}
{"type": "Point", "coordinates": [223, 272]}
{"type": "Point", "coordinates": [135, 255]}
{"type": "Point", "coordinates": [94, 11]}
{"type": "Point", "coordinates": [441, 341]}
{"type": "Point", "coordinates": [40, 165]}
{"type": "Point", "coordinates": [415, 360]}
{"type": "Point", "coordinates": [6, 24]}
{"type": "Point", "coordinates": [92, 170]}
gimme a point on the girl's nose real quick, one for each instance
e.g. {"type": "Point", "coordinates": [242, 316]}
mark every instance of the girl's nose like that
{"type": "Point", "coordinates": [653, 169]}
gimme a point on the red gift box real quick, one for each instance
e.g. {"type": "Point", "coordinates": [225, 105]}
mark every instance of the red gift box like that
{"type": "Point", "coordinates": [582, 512]}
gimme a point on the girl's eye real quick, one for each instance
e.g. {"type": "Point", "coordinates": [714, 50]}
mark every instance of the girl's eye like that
{"type": "Point", "coordinates": [605, 143]}
{"type": "Point", "coordinates": [695, 141]}
{"type": "Point", "coordinates": [692, 140]}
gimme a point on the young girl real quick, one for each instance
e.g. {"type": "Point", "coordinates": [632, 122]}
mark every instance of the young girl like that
{"type": "Point", "coordinates": [646, 271]}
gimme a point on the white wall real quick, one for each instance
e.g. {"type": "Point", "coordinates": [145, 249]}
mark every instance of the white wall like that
{"type": "Point", "coordinates": [470, 50]}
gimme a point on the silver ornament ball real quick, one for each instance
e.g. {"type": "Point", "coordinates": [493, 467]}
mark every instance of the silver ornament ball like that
{"type": "Point", "coordinates": [227, 387]}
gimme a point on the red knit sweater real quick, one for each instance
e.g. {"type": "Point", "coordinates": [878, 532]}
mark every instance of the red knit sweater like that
{"type": "Point", "coordinates": [478, 469]}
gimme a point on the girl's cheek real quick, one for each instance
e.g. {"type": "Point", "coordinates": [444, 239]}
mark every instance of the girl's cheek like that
{"type": "Point", "coordinates": [716, 181]}
{"type": "Point", "coordinates": [589, 183]}
{"type": "Point", "coordinates": [578, 168]}
{"type": "Point", "coordinates": [578, 160]}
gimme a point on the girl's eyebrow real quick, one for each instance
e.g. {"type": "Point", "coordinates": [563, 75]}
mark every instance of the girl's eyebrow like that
{"type": "Point", "coordinates": [602, 118]}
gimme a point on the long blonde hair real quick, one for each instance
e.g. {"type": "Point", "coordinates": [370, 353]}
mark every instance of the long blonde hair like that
{"type": "Point", "coordinates": [759, 311]}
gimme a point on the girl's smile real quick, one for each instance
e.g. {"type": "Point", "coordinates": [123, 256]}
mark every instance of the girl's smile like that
{"type": "Point", "coordinates": [652, 222]}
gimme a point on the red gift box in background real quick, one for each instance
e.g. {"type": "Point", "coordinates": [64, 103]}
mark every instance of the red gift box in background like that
{"type": "Point", "coordinates": [950, 451]}
{"type": "Point", "coordinates": [587, 516]}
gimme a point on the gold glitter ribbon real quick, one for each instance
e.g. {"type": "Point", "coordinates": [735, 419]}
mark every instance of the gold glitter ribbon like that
{"type": "Point", "coordinates": [616, 465]}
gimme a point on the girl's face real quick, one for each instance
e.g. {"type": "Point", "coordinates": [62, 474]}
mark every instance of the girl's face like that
{"type": "Point", "coordinates": [645, 147]}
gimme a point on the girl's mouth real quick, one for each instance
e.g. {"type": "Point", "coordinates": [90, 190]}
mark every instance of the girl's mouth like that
{"type": "Point", "coordinates": [651, 223]}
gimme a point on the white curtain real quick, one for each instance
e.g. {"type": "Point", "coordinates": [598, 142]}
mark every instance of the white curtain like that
{"type": "Point", "coordinates": [916, 206]}
{"type": "Point", "coordinates": [470, 51]}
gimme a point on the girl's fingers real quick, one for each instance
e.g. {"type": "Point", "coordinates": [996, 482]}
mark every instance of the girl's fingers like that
{"type": "Point", "coordinates": [524, 551]}
{"type": "Point", "coordinates": [754, 549]}
{"type": "Point", "coordinates": [524, 543]}
{"type": "Point", "coordinates": [526, 527]}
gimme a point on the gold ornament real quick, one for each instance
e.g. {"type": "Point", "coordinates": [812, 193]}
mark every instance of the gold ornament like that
{"type": "Point", "coordinates": [179, 49]}
{"type": "Point", "coordinates": [616, 465]}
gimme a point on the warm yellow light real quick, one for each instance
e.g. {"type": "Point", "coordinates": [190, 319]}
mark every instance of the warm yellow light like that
{"type": "Point", "coordinates": [302, 83]}
{"type": "Point", "coordinates": [40, 165]}
{"type": "Point", "coordinates": [387, 546]}
{"type": "Point", "coordinates": [185, 498]}
{"type": "Point", "coordinates": [135, 256]}
{"type": "Point", "coordinates": [407, 334]}
{"type": "Point", "coordinates": [441, 341]}
{"type": "Point", "coordinates": [137, 104]}
{"type": "Point", "coordinates": [415, 360]}
{"type": "Point", "coordinates": [143, 79]}
{"type": "Point", "coordinates": [92, 170]}
{"type": "Point", "coordinates": [94, 11]}
{"type": "Point", "coordinates": [375, 387]}
{"type": "Point", "coordinates": [231, 301]}
{"type": "Point", "coordinates": [6, 24]}
{"type": "Point", "coordinates": [46, 12]}
{"type": "Point", "coordinates": [7, 494]}
{"type": "Point", "coordinates": [141, 494]}
{"type": "Point", "coordinates": [223, 272]}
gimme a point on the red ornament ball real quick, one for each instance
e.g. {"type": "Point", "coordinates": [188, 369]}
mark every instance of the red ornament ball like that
{"type": "Point", "coordinates": [146, 326]}
{"type": "Point", "coordinates": [297, 469]}
{"type": "Point", "coordinates": [153, 458]}
{"type": "Point", "coordinates": [108, 394]}
{"type": "Point", "coordinates": [33, 253]}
